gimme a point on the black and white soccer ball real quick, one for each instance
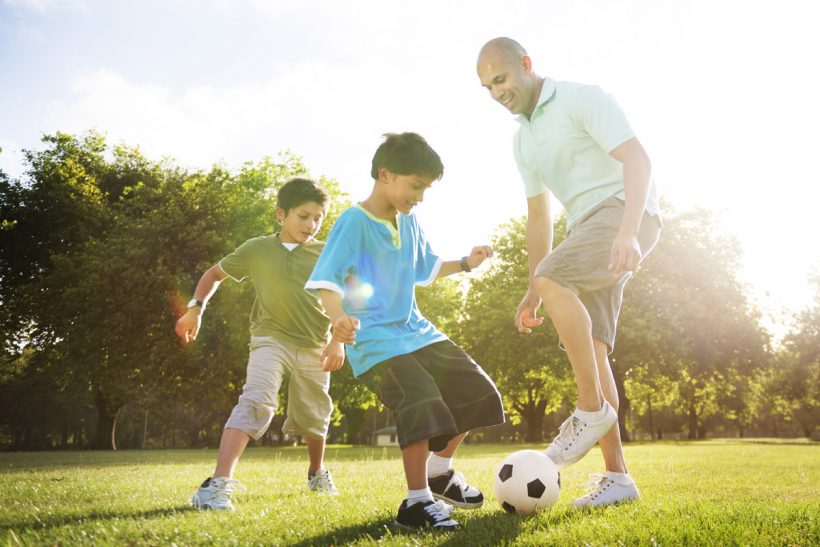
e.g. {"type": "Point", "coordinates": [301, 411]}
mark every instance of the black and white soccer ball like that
{"type": "Point", "coordinates": [527, 481]}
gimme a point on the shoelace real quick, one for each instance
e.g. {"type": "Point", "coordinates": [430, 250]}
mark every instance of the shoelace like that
{"type": "Point", "coordinates": [458, 480]}
{"type": "Point", "coordinates": [322, 480]}
{"type": "Point", "coordinates": [596, 484]}
{"type": "Point", "coordinates": [439, 510]}
{"type": "Point", "coordinates": [223, 492]}
{"type": "Point", "coordinates": [568, 429]}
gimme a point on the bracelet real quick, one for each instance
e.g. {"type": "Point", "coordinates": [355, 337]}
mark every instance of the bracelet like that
{"type": "Point", "coordinates": [465, 266]}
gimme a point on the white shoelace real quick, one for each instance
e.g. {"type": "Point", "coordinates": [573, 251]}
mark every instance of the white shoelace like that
{"type": "Point", "coordinates": [224, 488]}
{"type": "Point", "coordinates": [466, 489]}
{"type": "Point", "coordinates": [596, 484]}
{"type": "Point", "coordinates": [568, 433]}
{"type": "Point", "coordinates": [439, 510]}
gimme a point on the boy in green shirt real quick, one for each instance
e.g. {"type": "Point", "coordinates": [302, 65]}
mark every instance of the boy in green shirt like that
{"type": "Point", "coordinates": [289, 334]}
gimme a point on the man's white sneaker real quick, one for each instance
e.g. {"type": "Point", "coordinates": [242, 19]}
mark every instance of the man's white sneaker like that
{"type": "Point", "coordinates": [576, 437]}
{"type": "Point", "coordinates": [215, 494]}
{"type": "Point", "coordinates": [322, 482]}
{"type": "Point", "coordinates": [607, 489]}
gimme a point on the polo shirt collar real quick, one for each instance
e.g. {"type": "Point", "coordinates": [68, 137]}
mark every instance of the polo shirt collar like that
{"type": "Point", "coordinates": [547, 92]}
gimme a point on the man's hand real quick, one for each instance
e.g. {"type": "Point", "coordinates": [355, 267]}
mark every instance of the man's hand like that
{"type": "Point", "coordinates": [525, 318]}
{"type": "Point", "coordinates": [333, 357]}
{"type": "Point", "coordinates": [187, 326]}
{"type": "Point", "coordinates": [344, 329]}
{"type": "Point", "coordinates": [478, 255]}
{"type": "Point", "coordinates": [625, 255]}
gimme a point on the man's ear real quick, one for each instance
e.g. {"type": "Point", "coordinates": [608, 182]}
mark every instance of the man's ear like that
{"type": "Point", "coordinates": [526, 63]}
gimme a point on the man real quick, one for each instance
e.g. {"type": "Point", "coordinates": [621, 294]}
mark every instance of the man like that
{"type": "Point", "coordinates": [575, 142]}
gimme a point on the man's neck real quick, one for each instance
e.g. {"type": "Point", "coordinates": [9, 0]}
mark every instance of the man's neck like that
{"type": "Point", "coordinates": [536, 95]}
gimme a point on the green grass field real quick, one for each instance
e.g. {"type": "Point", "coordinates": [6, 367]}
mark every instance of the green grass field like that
{"type": "Point", "coordinates": [722, 492]}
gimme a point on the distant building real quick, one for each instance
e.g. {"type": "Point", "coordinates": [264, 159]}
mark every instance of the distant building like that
{"type": "Point", "coordinates": [385, 436]}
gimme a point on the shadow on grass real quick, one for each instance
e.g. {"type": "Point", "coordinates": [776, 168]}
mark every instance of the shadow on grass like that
{"type": "Point", "coordinates": [56, 521]}
{"type": "Point", "coordinates": [486, 529]}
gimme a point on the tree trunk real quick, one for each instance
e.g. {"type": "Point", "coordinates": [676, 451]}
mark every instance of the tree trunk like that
{"type": "Point", "coordinates": [534, 417]}
{"type": "Point", "coordinates": [693, 417]}
{"type": "Point", "coordinates": [355, 420]}
{"type": "Point", "coordinates": [145, 429]}
{"type": "Point", "coordinates": [651, 421]}
{"type": "Point", "coordinates": [106, 422]}
{"type": "Point", "coordinates": [114, 430]}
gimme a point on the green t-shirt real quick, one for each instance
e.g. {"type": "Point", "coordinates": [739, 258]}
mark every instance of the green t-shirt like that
{"type": "Point", "coordinates": [282, 308]}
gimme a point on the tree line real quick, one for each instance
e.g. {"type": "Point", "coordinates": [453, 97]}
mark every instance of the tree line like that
{"type": "Point", "coordinates": [100, 248]}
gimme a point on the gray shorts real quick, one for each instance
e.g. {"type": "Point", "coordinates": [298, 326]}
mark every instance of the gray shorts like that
{"type": "Point", "coordinates": [309, 405]}
{"type": "Point", "coordinates": [581, 262]}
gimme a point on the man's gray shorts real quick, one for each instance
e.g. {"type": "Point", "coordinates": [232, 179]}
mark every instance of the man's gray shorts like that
{"type": "Point", "coordinates": [581, 263]}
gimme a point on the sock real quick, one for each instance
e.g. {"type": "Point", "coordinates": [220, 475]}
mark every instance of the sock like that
{"type": "Point", "coordinates": [437, 466]}
{"type": "Point", "coordinates": [620, 478]}
{"type": "Point", "coordinates": [416, 496]}
{"type": "Point", "coordinates": [590, 417]}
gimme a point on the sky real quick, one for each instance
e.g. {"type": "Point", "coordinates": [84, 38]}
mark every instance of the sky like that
{"type": "Point", "coordinates": [724, 95]}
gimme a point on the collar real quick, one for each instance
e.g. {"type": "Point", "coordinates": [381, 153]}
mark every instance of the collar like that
{"type": "Point", "coordinates": [395, 233]}
{"type": "Point", "coordinates": [547, 93]}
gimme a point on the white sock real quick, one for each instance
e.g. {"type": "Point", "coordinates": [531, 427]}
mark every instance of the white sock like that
{"type": "Point", "coordinates": [590, 417]}
{"type": "Point", "coordinates": [620, 478]}
{"type": "Point", "coordinates": [437, 466]}
{"type": "Point", "coordinates": [416, 496]}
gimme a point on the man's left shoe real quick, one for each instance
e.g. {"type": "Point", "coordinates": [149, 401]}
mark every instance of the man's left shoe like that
{"type": "Point", "coordinates": [453, 489]}
{"type": "Point", "coordinates": [322, 483]}
{"type": "Point", "coordinates": [608, 489]}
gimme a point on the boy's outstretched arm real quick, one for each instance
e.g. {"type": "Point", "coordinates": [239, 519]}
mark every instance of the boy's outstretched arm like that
{"type": "Point", "coordinates": [344, 326]}
{"type": "Point", "coordinates": [473, 260]}
{"type": "Point", "coordinates": [187, 326]}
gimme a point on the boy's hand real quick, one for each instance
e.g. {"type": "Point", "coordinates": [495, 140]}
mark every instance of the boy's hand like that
{"type": "Point", "coordinates": [333, 357]}
{"type": "Point", "coordinates": [625, 255]}
{"type": "Point", "coordinates": [478, 255]}
{"type": "Point", "coordinates": [187, 326]}
{"type": "Point", "coordinates": [344, 329]}
{"type": "Point", "coordinates": [525, 318]}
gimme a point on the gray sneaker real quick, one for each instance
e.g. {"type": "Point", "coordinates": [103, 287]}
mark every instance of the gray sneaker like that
{"type": "Point", "coordinates": [607, 489]}
{"type": "Point", "coordinates": [576, 437]}
{"type": "Point", "coordinates": [215, 494]}
{"type": "Point", "coordinates": [322, 483]}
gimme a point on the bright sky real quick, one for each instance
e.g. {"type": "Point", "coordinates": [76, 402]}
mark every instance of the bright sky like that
{"type": "Point", "coordinates": [725, 96]}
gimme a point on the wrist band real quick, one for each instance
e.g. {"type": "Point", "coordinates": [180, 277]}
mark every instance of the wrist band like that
{"type": "Point", "coordinates": [465, 267]}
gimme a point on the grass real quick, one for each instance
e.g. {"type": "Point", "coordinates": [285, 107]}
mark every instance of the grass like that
{"type": "Point", "coordinates": [727, 492]}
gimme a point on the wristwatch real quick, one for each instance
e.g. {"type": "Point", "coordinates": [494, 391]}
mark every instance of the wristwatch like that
{"type": "Point", "coordinates": [194, 303]}
{"type": "Point", "coordinates": [465, 266]}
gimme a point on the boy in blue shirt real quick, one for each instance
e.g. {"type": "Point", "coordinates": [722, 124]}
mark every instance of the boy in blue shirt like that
{"type": "Point", "coordinates": [375, 255]}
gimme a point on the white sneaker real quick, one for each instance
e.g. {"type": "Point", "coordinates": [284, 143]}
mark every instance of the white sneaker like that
{"type": "Point", "coordinates": [607, 489]}
{"type": "Point", "coordinates": [215, 494]}
{"type": "Point", "coordinates": [322, 482]}
{"type": "Point", "coordinates": [576, 437]}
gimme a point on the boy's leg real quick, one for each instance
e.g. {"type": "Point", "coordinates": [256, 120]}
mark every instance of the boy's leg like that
{"type": "Point", "coordinates": [231, 446]}
{"type": "Point", "coordinates": [316, 453]}
{"type": "Point", "coordinates": [419, 510]}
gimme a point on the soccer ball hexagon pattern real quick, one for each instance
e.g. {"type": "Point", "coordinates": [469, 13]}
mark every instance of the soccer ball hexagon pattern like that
{"type": "Point", "coordinates": [527, 481]}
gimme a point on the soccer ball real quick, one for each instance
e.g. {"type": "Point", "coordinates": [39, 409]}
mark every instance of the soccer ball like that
{"type": "Point", "coordinates": [527, 481]}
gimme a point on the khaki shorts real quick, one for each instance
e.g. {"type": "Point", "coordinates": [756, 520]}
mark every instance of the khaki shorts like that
{"type": "Point", "coordinates": [581, 263]}
{"type": "Point", "coordinates": [309, 405]}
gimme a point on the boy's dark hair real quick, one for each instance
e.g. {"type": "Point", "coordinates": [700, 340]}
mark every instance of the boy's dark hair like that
{"type": "Point", "coordinates": [407, 154]}
{"type": "Point", "coordinates": [299, 190]}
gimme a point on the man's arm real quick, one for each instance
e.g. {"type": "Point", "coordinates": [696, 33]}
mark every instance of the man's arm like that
{"type": "Point", "coordinates": [626, 252]}
{"type": "Point", "coordinates": [538, 239]}
{"type": "Point", "coordinates": [187, 326]}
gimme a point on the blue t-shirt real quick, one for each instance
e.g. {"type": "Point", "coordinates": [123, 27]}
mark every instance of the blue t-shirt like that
{"type": "Point", "coordinates": [375, 267]}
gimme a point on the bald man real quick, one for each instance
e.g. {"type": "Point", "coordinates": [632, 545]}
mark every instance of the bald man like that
{"type": "Point", "coordinates": [575, 142]}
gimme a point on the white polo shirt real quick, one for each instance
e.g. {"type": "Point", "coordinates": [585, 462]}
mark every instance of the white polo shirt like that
{"type": "Point", "coordinates": [564, 148]}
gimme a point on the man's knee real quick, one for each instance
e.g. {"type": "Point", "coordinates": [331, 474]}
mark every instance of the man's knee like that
{"type": "Point", "coordinates": [549, 289]}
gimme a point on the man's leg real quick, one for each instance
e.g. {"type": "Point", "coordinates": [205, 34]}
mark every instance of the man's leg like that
{"type": "Point", "coordinates": [316, 453]}
{"type": "Point", "coordinates": [610, 443]}
{"type": "Point", "coordinates": [574, 327]}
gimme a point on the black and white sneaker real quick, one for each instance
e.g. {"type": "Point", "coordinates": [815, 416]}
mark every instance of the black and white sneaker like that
{"type": "Point", "coordinates": [425, 514]}
{"type": "Point", "coordinates": [453, 489]}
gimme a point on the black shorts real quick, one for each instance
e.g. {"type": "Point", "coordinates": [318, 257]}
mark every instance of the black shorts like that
{"type": "Point", "coordinates": [435, 393]}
